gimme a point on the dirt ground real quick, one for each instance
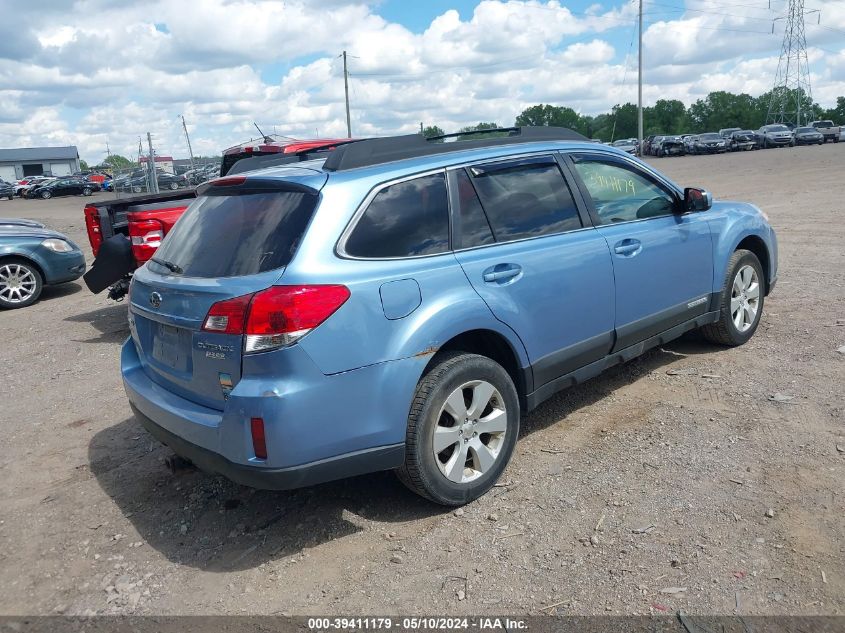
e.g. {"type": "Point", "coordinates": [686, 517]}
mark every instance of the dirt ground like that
{"type": "Point", "coordinates": [643, 491]}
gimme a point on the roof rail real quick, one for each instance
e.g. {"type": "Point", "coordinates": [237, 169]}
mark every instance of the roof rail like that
{"type": "Point", "coordinates": [375, 151]}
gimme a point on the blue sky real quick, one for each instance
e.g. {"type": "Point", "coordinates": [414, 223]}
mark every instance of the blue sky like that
{"type": "Point", "coordinates": [70, 79]}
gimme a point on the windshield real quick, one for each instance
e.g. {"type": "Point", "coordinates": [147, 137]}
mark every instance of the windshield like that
{"type": "Point", "coordinates": [710, 136]}
{"type": "Point", "coordinates": [806, 129]}
{"type": "Point", "coordinates": [778, 128]}
{"type": "Point", "coordinates": [823, 124]}
{"type": "Point", "coordinates": [621, 143]}
{"type": "Point", "coordinates": [744, 132]}
{"type": "Point", "coordinates": [230, 236]}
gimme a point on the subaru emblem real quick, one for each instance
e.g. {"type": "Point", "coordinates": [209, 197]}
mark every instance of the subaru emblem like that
{"type": "Point", "coordinates": [155, 300]}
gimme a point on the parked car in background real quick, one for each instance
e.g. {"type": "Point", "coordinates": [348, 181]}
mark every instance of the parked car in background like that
{"type": "Point", "coordinates": [138, 182]}
{"type": "Point", "coordinates": [410, 346]}
{"type": "Point", "coordinates": [709, 143]}
{"type": "Point", "coordinates": [645, 150]}
{"type": "Point", "coordinates": [727, 132]}
{"type": "Point", "coordinates": [670, 146]}
{"type": "Point", "coordinates": [24, 185]}
{"type": "Point", "coordinates": [774, 135]}
{"type": "Point", "coordinates": [808, 136]}
{"type": "Point", "coordinates": [32, 256]}
{"type": "Point", "coordinates": [7, 190]}
{"type": "Point", "coordinates": [830, 131]}
{"type": "Point", "coordinates": [63, 187]}
{"type": "Point", "coordinates": [628, 145]}
{"type": "Point", "coordinates": [689, 142]}
{"type": "Point", "coordinates": [742, 140]}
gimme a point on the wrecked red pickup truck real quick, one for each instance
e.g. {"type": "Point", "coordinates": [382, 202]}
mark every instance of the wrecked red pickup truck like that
{"type": "Point", "coordinates": [124, 233]}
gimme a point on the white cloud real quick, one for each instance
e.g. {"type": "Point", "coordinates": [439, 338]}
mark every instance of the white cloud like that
{"type": "Point", "coordinates": [138, 66]}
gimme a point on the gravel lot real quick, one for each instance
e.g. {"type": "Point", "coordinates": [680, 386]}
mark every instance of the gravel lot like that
{"type": "Point", "coordinates": [647, 490]}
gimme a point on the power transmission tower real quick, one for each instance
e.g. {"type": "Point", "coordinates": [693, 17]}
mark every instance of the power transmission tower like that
{"type": "Point", "coordinates": [792, 99]}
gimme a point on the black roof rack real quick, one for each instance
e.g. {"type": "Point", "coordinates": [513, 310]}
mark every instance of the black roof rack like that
{"type": "Point", "coordinates": [251, 163]}
{"type": "Point", "coordinates": [375, 151]}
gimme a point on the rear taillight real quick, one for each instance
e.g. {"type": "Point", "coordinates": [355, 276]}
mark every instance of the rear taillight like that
{"type": "Point", "coordinates": [92, 225]}
{"type": "Point", "coordinates": [228, 317]}
{"type": "Point", "coordinates": [259, 441]}
{"type": "Point", "coordinates": [146, 236]}
{"type": "Point", "coordinates": [281, 315]}
{"type": "Point", "coordinates": [276, 317]}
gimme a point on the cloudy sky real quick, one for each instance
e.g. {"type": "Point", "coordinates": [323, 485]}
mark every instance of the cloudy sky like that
{"type": "Point", "coordinates": [98, 72]}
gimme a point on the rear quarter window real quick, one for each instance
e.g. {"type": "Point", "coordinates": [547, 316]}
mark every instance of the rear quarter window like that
{"type": "Point", "coordinates": [230, 236]}
{"type": "Point", "coordinates": [406, 219]}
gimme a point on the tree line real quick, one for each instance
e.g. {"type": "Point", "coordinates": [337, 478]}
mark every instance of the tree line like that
{"type": "Point", "coordinates": [668, 116]}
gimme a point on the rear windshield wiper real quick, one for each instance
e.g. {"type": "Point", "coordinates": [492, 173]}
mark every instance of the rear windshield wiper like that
{"type": "Point", "coordinates": [174, 268]}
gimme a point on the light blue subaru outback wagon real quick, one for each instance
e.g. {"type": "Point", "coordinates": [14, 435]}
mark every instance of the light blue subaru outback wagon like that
{"type": "Point", "coordinates": [398, 303]}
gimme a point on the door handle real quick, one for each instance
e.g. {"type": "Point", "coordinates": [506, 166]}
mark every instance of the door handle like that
{"type": "Point", "coordinates": [628, 247]}
{"type": "Point", "coordinates": [501, 272]}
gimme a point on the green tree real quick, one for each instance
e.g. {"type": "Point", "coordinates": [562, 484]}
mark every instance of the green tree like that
{"type": "Point", "coordinates": [432, 130]}
{"type": "Point", "coordinates": [83, 166]}
{"type": "Point", "coordinates": [837, 113]}
{"type": "Point", "coordinates": [549, 115]}
{"type": "Point", "coordinates": [667, 116]}
{"type": "Point", "coordinates": [479, 127]}
{"type": "Point", "coordinates": [116, 161]}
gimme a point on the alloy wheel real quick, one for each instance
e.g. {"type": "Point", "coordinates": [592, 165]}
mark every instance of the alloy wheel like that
{"type": "Point", "coordinates": [745, 298]}
{"type": "Point", "coordinates": [17, 283]}
{"type": "Point", "coordinates": [470, 431]}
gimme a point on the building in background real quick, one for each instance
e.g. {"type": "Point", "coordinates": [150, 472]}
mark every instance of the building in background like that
{"type": "Point", "coordinates": [38, 161]}
{"type": "Point", "coordinates": [162, 162]}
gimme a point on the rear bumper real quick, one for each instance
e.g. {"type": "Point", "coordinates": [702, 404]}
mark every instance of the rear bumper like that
{"type": "Point", "coordinates": [318, 427]}
{"type": "Point", "coordinates": [349, 465]}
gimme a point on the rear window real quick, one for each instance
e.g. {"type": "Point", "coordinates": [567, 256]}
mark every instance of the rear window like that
{"type": "Point", "coordinates": [408, 219]}
{"type": "Point", "coordinates": [230, 236]}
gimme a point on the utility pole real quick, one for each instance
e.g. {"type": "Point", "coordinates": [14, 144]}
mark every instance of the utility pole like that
{"type": "Point", "coordinates": [640, 87]}
{"type": "Point", "coordinates": [188, 138]}
{"type": "Point", "coordinates": [151, 167]}
{"type": "Point", "coordinates": [346, 91]}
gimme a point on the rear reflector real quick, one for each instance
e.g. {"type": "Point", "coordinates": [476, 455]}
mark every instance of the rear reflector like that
{"type": "Point", "coordinates": [259, 442]}
{"type": "Point", "coordinates": [276, 317]}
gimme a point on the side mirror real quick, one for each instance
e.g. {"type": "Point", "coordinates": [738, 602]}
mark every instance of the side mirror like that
{"type": "Point", "coordinates": [697, 199]}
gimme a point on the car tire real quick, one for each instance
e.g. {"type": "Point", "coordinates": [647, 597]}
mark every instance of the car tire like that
{"type": "Point", "coordinates": [470, 460]}
{"type": "Point", "coordinates": [174, 186]}
{"type": "Point", "coordinates": [87, 191]}
{"type": "Point", "coordinates": [136, 189]}
{"type": "Point", "coordinates": [741, 301]}
{"type": "Point", "coordinates": [25, 278]}
{"type": "Point", "coordinates": [46, 195]}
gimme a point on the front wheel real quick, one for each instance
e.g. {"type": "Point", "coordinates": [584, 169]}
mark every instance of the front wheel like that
{"type": "Point", "coordinates": [87, 191]}
{"type": "Point", "coordinates": [741, 304]}
{"type": "Point", "coordinates": [46, 195]}
{"type": "Point", "coordinates": [20, 284]}
{"type": "Point", "coordinates": [174, 186]}
{"type": "Point", "coordinates": [462, 428]}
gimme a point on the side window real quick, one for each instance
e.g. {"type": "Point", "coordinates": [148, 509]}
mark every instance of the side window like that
{"type": "Point", "coordinates": [475, 229]}
{"type": "Point", "coordinates": [406, 219]}
{"type": "Point", "coordinates": [622, 194]}
{"type": "Point", "coordinates": [526, 198]}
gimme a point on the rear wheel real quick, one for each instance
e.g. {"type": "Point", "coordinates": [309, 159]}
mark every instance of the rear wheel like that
{"type": "Point", "coordinates": [741, 304]}
{"type": "Point", "coordinates": [462, 428]}
{"type": "Point", "coordinates": [174, 186]}
{"type": "Point", "coordinates": [20, 283]}
{"type": "Point", "coordinates": [87, 191]}
{"type": "Point", "coordinates": [46, 195]}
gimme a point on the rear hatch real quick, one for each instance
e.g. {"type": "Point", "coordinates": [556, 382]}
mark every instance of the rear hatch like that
{"type": "Point", "coordinates": [233, 241]}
